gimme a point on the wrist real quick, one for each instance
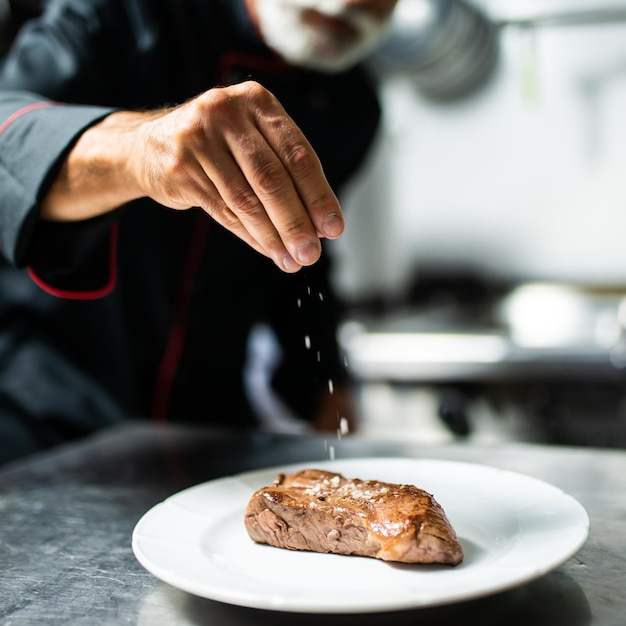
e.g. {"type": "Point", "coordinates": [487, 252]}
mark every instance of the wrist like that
{"type": "Point", "coordinates": [97, 175]}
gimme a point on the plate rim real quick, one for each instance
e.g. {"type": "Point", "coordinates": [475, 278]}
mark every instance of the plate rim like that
{"type": "Point", "coordinates": [251, 599]}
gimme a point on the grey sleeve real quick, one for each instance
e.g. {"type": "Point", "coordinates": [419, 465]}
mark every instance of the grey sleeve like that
{"type": "Point", "coordinates": [35, 136]}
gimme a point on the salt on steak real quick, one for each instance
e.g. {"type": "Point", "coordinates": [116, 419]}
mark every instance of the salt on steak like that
{"type": "Point", "coordinates": [323, 511]}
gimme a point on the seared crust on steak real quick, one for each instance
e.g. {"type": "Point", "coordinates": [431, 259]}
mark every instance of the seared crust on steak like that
{"type": "Point", "coordinates": [322, 511]}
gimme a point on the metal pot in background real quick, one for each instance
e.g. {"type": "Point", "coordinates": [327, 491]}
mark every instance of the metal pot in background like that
{"type": "Point", "coordinates": [449, 47]}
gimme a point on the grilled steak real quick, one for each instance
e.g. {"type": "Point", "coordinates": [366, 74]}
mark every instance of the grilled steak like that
{"type": "Point", "coordinates": [322, 511]}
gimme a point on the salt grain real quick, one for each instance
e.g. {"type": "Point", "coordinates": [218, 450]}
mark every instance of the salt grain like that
{"type": "Point", "coordinates": [307, 342]}
{"type": "Point", "coordinates": [344, 428]}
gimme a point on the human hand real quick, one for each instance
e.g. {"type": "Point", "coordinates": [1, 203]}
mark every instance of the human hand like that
{"type": "Point", "coordinates": [235, 153]}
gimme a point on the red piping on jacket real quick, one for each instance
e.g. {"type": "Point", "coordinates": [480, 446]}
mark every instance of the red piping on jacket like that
{"type": "Point", "coordinates": [86, 295]}
{"type": "Point", "coordinates": [178, 330]}
{"type": "Point", "coordinates": [61, 293]}
{"type": "Point", "coordinates": [23, 110]}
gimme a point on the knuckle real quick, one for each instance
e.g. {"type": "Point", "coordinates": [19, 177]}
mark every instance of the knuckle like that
{"type": "Point", "coordinates": [215, 97]}
{"type": "Point", "coordinates": [220, 212]}
{"type": "Point", "coordinates": [299, 160]}
{"type": "Point", "coordinates": [223, 98]}
{"type": "Point", "coordinates": [293, 227]}
{"type": "Point", "coordinates": [217, 104]}
{"type": "Point", "coordinates": [182, 134]}
{"type": "Point", "coordinates": [270, 178]}
{"type": "Point", "coordinates": [253, 90]}
{"type": "Point", "coordinates": [245, 201]}
{"type": "Point", "coordinates": [323, 200]}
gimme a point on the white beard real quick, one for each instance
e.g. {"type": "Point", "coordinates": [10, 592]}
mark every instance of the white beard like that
{"type": "Point", "coordinates": [316, 48]}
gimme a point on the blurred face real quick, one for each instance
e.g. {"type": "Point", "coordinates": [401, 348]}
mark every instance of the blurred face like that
{"type": "Point", "coordinates": [326, 35]}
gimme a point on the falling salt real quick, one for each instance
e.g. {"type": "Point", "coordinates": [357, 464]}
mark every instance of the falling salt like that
{"type": "Point", "coordinates": [299, 303]}
{"type": "Point", "coordinates": [344, 428]}
{"type": "Point", "coordinates": [319, 356]}
{"type": "Point", "coordinates": [331, 387]}
{"type": "Point", "coordinates": [321, 295]}
{"type": "Point", "coordinates": [307, 342]}
{"type": "Point", "coordinates": [308, 290]}
{"type": "Point", "coordinates": [331, 452]}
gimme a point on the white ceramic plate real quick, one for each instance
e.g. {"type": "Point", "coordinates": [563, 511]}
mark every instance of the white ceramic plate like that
{"type": "Point", "coordinates": [513, 529]}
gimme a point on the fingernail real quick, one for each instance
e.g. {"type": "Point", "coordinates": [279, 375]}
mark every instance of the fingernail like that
{"type": "Point", "coordinates": [332, 225]}
{"type": "Point", "coordinates": [289, 264]}
{"type": "Point", "coordinates": [308, 253]}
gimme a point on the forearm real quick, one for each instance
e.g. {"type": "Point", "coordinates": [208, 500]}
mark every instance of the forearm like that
{"type": "Point", "coordinates": [232, 151]}
{"type": "Point", "coordinates": [96, 176]}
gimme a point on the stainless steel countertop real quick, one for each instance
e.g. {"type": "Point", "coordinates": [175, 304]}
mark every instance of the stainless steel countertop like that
{"type": "Point", "coordinates": [66, 519]}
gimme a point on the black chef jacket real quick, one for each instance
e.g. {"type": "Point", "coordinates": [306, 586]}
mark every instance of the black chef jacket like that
{"type": "Point", "coordinates": [145, 312]}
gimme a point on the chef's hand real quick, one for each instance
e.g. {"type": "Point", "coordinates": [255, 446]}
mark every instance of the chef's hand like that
{"type": "Point", "coordinates": [232, 151]}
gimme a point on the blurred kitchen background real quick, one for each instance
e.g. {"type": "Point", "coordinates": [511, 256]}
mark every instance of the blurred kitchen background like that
{"type": "Point", "coordinates": [484, 260]}
{"type": "Point", "coordinates": [485, 256]}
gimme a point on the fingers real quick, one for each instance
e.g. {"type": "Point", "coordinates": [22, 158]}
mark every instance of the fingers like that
{"type": "Point", "coordinates": [247, 219]}
{"type": "Point", "coordinates": [259, 191]}
{"type": "Point", "coordinates": [199, 186]}
{"type": "Point", "coordinates": [305, 171]}
{"type": "Point", "coordinates": [270, 177]}
{"type": "Point", "coordinates": [249, 208]}
{"type": "Point", "coordinates": [236, 153]}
